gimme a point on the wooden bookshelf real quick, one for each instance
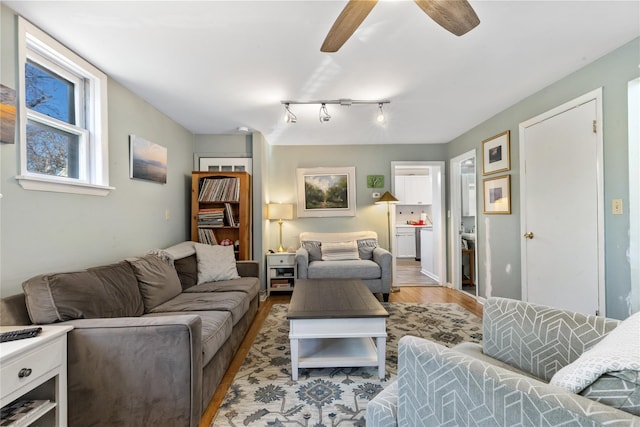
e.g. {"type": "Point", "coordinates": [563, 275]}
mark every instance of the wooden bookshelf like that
{"type": "Point", "coordinates": [221, 209]}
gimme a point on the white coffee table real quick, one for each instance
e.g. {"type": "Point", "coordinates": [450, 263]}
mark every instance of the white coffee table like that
{"type": "Point", "coordinates": [336, 323]}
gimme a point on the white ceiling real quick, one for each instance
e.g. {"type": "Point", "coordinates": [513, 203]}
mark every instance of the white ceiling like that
{"type": "Point", "coordinates": [213, 66]}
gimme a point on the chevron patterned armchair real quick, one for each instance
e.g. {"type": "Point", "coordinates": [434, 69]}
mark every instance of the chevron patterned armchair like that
{"type": "Point", "coordinates": [505, 381]}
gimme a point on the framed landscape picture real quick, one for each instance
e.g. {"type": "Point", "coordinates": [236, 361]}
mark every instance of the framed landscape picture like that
{"type": "Point", "coordinates": [495, 154]}
{"type": "Point", "coordinates": [326, 192]}
{"type": "Point", "coordinates": [497, 195]}
{"type": "Point", "coordinates": [148, 161]}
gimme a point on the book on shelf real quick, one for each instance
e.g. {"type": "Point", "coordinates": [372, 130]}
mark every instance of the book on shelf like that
{"type": "Point", "coordinates": [228, 210]}
{"type": "Point", "coordinates": [207, 236]}
{"type": "Point", "coordinates": [213, 217]}
{"type": "Point", "coordinates": [219, 190]}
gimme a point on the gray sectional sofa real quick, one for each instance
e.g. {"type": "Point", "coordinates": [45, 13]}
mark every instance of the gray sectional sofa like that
{"type": "Point", "coordinates": [510, 380]}
{"type": "Point", "coordinates": [354, 255]}
{"type": "Point", "coordinates": [149, 345]}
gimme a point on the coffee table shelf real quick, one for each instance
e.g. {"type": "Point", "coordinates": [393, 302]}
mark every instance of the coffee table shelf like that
{"type": "Point", "coordinates": [337, 352]}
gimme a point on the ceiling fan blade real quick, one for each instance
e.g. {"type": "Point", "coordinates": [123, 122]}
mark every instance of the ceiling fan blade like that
{"type": "Point", "coordinates": [455, 16]}
{"type": "Point", "coordinates": [349, 20]}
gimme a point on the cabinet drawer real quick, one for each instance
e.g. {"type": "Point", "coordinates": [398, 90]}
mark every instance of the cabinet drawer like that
{"type": "Point", "coordinates": [281, 259]}
{"type": "Point", "coordinates": [39, 362]}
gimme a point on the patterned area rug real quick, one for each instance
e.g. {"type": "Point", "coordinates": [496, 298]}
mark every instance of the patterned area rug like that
{"type": "Point", "coordinates": [263, 394]}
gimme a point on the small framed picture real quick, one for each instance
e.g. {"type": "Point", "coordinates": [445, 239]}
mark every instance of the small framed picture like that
{"type": "Point", "coordinates": [497, 195]}
{"type": "Point", "coordinates": [147, 160]}
{"type": "Point", "coordinates": [375, 181]}
{"type": "Point", "coordinates": [495, 154]}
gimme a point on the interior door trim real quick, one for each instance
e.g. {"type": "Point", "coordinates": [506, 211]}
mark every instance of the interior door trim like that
{"type": "Point", "coordinates": [588, 97]}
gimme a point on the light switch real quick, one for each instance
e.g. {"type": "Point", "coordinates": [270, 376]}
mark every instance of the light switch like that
{"type": "Point", "coordinates": [616, 206]}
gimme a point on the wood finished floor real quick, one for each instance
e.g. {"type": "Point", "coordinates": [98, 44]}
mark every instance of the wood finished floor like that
{"type": "Point", "coordinates": [408, 273]}
{"type": "Point", "coordinates": [418, 294]}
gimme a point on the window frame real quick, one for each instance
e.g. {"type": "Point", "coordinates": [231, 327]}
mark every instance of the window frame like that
{"type": "Point", "coordinates": [90, 103]}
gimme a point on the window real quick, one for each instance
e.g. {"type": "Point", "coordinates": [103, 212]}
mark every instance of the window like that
{"type": "Point", "coordinates": [63, 118]}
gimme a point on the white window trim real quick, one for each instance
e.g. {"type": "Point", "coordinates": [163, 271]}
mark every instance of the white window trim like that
{"type": "Point", "coordinates": [96, 180]}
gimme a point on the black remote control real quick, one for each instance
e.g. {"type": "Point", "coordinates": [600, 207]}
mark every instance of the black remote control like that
{"type": "Point", "coordinates": [19, 334]}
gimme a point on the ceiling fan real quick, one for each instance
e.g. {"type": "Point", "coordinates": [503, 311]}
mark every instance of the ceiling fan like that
{"type": "Point", "coordinates": [455, 16]}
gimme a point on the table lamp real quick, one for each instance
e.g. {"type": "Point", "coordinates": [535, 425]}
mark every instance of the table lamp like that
{"type": "Point", "coordinates": [280, 211]}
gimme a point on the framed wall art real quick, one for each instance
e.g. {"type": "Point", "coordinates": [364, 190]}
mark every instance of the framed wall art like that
{"type": "Point", "coordinates": [497, 195]}
{"type": "Point", "coordinates": [496, 154]}
{"type": "Point", "coordinates": [326, 192]}
{"type": "Point", "coordinates": [375, 181]}
{"type": "Point", "coordinates": [148, 161]}
{"type": "Point", "coordinates": [7, 114]}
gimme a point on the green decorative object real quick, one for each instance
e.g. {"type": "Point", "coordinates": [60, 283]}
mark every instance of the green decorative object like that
{"type": "Point", "coordinates": [375, 181]}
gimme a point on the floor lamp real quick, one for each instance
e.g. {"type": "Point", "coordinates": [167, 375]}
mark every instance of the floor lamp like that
{"type": "Point", "coordinates": [280, 211]}
{"type": "Point", "coordinates": [388, 198]}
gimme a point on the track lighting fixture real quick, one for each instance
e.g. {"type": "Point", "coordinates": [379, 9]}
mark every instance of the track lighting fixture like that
{"type": "Point", "coordinates": [324, 115]}
{"type": "Point", "coordinates": [289, 117]}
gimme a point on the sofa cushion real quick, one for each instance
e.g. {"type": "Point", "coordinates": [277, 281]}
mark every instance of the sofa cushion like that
{"type": "Point", "coordinates": [366, 247]}
{"type": "Point", "coordinates": [215, 262]}
{"type": "Point", "coordinates": [216, 329]}
{"type": "Point", "coordinates": [248, 285]}
{"type": "Point", "coordinates": [236, 303]}
{"type": "Point", "coordinates": [313, 248]}
{"type": "Point", "coordinates": [618, 351]}
{"type": "Point", "coordinates": [187, 269]}
{"type": "Point", "coordinates": [105, 291]}
{"type": "Point", "coordinates": [157, 280]}
{"type": "Point", "coordinates": [350, 269]}
{"type": "Point", "coordinates": [339, 251]}
{"type": "Point", "coordinates": [475, 350]}
{"type": "Point", "coordinates": [618, 389]}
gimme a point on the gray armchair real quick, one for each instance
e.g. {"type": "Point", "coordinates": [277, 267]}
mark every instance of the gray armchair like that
{"type": "Point", "coordinates": [504, 381]}
{"type": "Point", "coordinates": [368, 262]}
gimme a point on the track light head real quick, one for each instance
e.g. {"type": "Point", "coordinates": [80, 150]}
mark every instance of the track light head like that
{"type": "Point", "coordinates": [289, 117]}
{"type": "Point", "coordinates": [380, 117]}
{"type": "Point", "coordinates": [324, 114]}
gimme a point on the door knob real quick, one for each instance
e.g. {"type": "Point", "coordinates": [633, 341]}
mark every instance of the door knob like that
{"type": "Point", "coordinates": [528, 235]}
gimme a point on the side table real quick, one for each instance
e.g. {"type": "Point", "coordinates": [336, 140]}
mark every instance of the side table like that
{"type": "Point", "coordinates": [281, 272]}
{"type": "Point", "coordinates": [35, 369]}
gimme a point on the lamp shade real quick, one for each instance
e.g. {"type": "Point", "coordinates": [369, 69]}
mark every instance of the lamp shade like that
{"type": "Point", "coordinates": [280, 211]}
{"type": "Point", "coordinates": [387, 198]}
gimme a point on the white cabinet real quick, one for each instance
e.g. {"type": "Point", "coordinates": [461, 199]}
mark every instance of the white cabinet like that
{"type": "Point", "coordinates": [413, 189]}
{"type": "Point", "coordinates": [405, 242]}
{"type": "Point", "coordinates": [427, 263]}
{"type": "Point", "coordinates": [33, 374]}
{"type": "Point", "coordinates": [281, 272]}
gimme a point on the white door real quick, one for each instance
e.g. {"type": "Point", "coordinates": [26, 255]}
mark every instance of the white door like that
{"type": "Point", "coordinates": [561, 196]}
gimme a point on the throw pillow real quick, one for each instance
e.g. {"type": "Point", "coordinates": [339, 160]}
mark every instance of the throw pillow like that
{"type": "Point", "coordinates": [158, 281]}
{"type": "Point", "coordinates": [366, 247]}
{"type": "Point", "coordinates": [314, 249]}
{"type": "Point", "coordinates": [618, 389]}
{"type": "Point", "coordinates": [340, 251]}
{"type": "Point", "coordinates": [105, 291]}
{"type": "Point", "coordinates": [215, 263]}
{"type": "Point", "coordinates": [618, 351]}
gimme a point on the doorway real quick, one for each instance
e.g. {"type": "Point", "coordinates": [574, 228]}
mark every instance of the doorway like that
{"type": "Point", "coordinates": [463, 225]}
{"type": "Point", "coordinates": [419, 257]}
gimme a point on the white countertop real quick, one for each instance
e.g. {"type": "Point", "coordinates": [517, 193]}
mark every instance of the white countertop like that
{"type": "Point", "coordinates": [413, 226]}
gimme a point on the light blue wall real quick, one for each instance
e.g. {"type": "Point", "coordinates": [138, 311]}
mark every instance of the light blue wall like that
{"type": "Point", "coordinates": [368, 160]}
{"type": "Point", "coordinates": [47, 232]}
{"type": "Point", "coordinates": [499, 235]}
